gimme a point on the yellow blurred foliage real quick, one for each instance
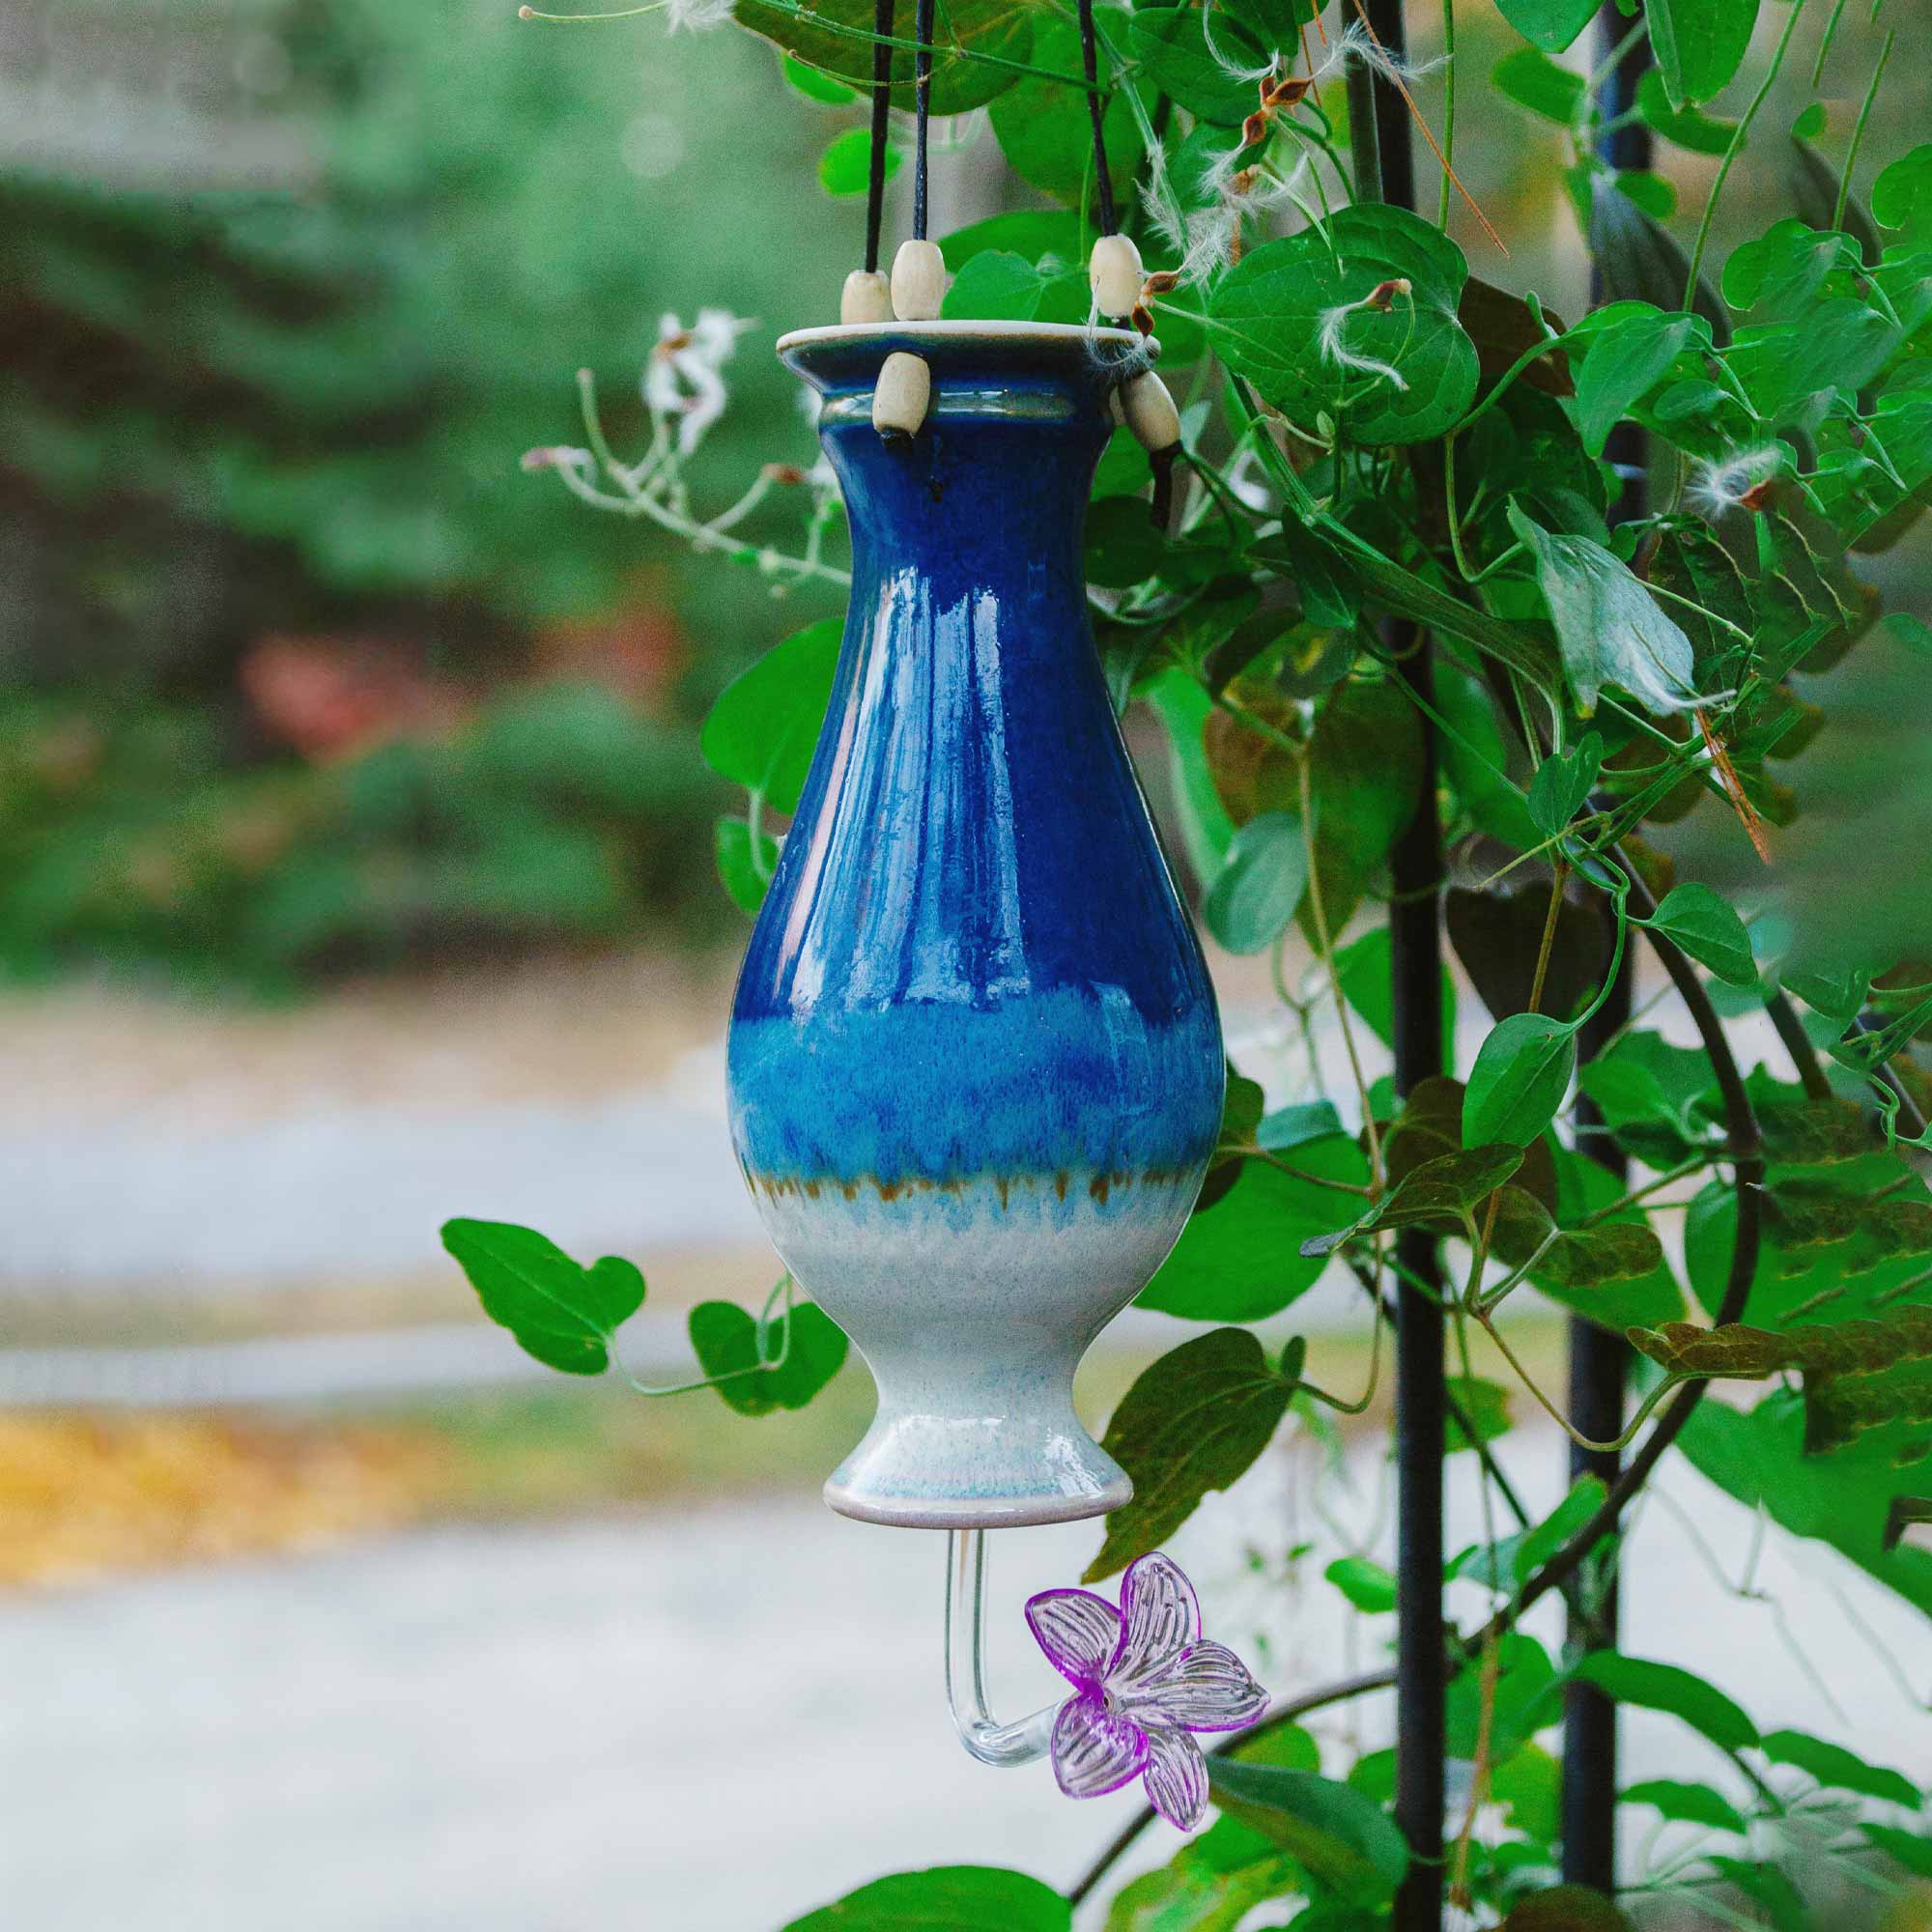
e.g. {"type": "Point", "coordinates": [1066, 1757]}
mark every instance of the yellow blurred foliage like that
{"type": "Point", "coordinates": [85, 1495]}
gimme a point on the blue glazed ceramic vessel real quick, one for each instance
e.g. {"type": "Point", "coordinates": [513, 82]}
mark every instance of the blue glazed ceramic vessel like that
{"type": "Point", "coordinates": [976, 1066]}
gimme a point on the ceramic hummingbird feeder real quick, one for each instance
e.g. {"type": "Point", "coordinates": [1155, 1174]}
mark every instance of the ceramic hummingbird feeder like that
{"type": "Point", "coordinates": [975, 1067]}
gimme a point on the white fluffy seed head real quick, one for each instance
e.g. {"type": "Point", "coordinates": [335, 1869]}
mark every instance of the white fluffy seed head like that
{"type": "Point", "coordinates": [1151, 413]}
{"type": "Point", "coordinates": [902, 395]}
{"type": "Point", "coordinates": [1114, 271]}
{"type": "Point", "coordinates": [866, 296]}
{"type": "Point", "coordinates": [918, 281]}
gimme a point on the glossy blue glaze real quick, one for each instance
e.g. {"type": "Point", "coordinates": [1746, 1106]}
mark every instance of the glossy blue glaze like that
{"type": "Point", "coordinates": [975, 1064]}
{"type": "Point", "coordinates": [972, 960]}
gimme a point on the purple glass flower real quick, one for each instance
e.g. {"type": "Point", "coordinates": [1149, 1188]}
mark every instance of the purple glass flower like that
{"type": "Point", "coordinates": [1143, 1678]}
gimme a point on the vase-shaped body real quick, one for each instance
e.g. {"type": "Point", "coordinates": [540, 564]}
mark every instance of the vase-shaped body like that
{"type": "Point", "coordinates": [976, 1066]}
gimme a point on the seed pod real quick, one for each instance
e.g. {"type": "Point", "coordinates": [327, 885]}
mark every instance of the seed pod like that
{"type": "Point", "coordinates": [1114, 271]}
{"type": "Point", "coordinates": [902, 395]}
{"type": "Point", "coordinates": [918, 281]}
{"type": "Point", "coordinates": [866, 296]}
{"type": "Point", "coordinates": [1150, 411]}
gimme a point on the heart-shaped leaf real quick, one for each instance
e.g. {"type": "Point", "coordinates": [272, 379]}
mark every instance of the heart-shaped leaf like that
{"type": "Point", "coordinates": [558, 1310]}
{"type": "Point", "coordinates": [1707, 928]}
{"type": "Point", "coordinates": [1521, 1073]}
{"type": "Point", "coordinates": [808, 1346]}
{"type": "Point", "coordinates": [1321, 328]}
{"type": "Point", "coordinates": [1193, 1421]}
{"type": "Point", "coordinates": [1338, 1836]}
{"type": "Point", "coordinates": [764, 726]}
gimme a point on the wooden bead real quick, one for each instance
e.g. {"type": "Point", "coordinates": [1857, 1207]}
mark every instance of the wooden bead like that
{"type": "Point", "coordinates": [1150, 411]}
{"type": "Point", "coordinates": [902, 395]}
{"type": "Point", "coordinates": [1114, 271]}
{"type": "Point", "coordinates": [866, 296]}
{"type": "Point", "coordinates": [918, 281]}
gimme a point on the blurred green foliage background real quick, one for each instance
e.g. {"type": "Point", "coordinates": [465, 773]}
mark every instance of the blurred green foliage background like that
{"type": "Point", "coordinates": [297, 670]}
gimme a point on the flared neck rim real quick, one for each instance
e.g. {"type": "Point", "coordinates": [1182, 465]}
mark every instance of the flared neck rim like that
{"type": "Point", "coordinates": [840, 354]}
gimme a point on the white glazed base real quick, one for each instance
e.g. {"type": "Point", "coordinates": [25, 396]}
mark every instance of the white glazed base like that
{"type": "Point", "coordinates": [973, 1342]}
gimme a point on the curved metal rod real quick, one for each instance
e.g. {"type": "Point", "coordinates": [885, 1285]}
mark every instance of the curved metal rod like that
{"type": "Point", "coordinates": [980, 1731]}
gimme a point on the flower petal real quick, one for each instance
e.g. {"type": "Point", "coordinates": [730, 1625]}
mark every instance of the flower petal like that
{"type": "Point", "coordinates": [1094, 1751]}
{"type": "Point", "coordinates": [1160, 1618]}
{"type": "Point", "coordinates": [1207, 1688]}
{"type": "Point", "coordinates": [1078, 1630]}
{"type": "Point", "coordinates": [1177, 1778]}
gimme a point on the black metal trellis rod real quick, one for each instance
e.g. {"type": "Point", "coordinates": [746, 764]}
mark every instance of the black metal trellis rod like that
{"type": "Point", "coordinates": [1600, 1361]}
{"type": "Point", "coordinates": [1416, 969]}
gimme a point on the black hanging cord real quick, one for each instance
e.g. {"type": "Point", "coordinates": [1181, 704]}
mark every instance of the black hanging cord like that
{"type": "Point", "coordinates": [1097, 107]}
{"type": "Point", "coordinates": [922, 91]}
{"type": "Point", "coordinates": [882, 100]}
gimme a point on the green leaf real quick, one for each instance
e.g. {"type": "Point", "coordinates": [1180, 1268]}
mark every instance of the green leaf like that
{"type": "Point", "coordinates": [1193, 1421]}
{"type": "Point", "coordinates": [1548, 24]}
{"type": "Point", "coordinates": [1654, 193]}
{"type": "Point", "coordinates": [1610, 629]}
{"type": "Point", "coordinates": [845, 167]}
{"type": "Point", "coordinates": [1183, 708]}
{"type": "Point", "coordinates": [1664, 1686]}
{"type": "Point", "coordinates": [1030, 232]}
{"type": "Point", "coordinates": [1562, 784]}
{"type": "Point", "coordinates": [1537, 1545]}
{"type": "Point", "coordinates": [836, 37]}
{"type": "Point", "coordinates": [1577, 1258]}
{"type": "Point", "coordinates": [994, 285]}
{"type": "Point", "coordinates": [764, 726]}
{"type": "Point", "coordinates": [817, 86]}
{"type": "Point", "coordinates": [726, 1340]}
{"type": "Point", "coordinates": [1341, 1839]}
{"type": "Point", "coordinates": [1210, 1884]}
{"type": "Point", "coordinates": [558, 1310]}
{"type": "Point", "coordinates": [1699, 43]}
{"type": "Point", "coordinates": [1684, 127]}
{"type": "Point", "coordinates": [1521, 1076]}
{"type": "Point", "coordinates": [1367, 1585]}
{"type": "Point", "coordinates": [1837, 1769]}
{"type": "Point", "coordinates": [1435, 1193]}
{"type": "Point", "coordinates": [1533, 80]}
{"type": "Point", "coordinates": [1686, 1804]}
{"type": "Point", "coordinates": [1171, 46]}
{"type": "Point", "coordinates": [1288, 1126]}
{"type": "Point", "coordinates": [1251, 903]}
{"type": "Point", "coordinates": [947, 1898]}
{"type": "Point", "coordinates": [1042, 125]}
{"type": "Point", "coordinates": [1296, 317]}
{"type": "Point", "coordinates": [1758, 1457]}
{"type": "Point", "coordinates": [1524, 1700]}
{"type": "Point", "coordinates": [1625, 362]}
{"type": "Point", "coordinates": [1707, 928]}
{"type": "Point", "coordinates": [744, 867]}
{"type": "Point", "coordinates": [1239, 1260]}
{"type": "Point", "coordinates": [1901, 196]}
{"type": "Point", "coordinates": [1486, 1407]}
